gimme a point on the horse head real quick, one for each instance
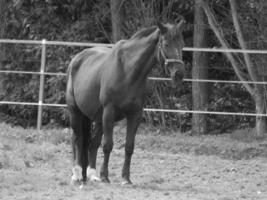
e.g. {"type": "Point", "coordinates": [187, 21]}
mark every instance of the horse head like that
{"type": "Point", "coordinates": [170, 48]}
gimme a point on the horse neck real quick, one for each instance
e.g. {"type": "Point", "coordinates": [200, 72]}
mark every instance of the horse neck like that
{"type": "Point", "coordinates": [142, 56]}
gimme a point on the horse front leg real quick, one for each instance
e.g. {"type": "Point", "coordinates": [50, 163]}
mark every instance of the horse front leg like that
{"type": "Point", "coordinates": [108, 123]}
{"type": "Point", "coordinates": [133, 121]}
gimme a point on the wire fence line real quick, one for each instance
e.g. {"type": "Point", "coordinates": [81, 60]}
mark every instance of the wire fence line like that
{"type": "Point", "coordinates": [85, 44]}
{"type": "Point", "coordinates": [149, 78]}
{"type": "Point", "coordinates": [145, 109]}
{"type": "Point", "coordinates": [42, 73]}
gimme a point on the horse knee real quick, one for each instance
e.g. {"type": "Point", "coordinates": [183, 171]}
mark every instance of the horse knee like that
{"type": "Point", "coordinates": [129, 148]}
{"type": "Point", "coordinates": [95, 144]}
{"type": "Point", "coordinates": [107, 147]}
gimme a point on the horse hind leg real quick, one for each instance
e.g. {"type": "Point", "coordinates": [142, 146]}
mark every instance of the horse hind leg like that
{"type": "Point", "coordinates": [86, 142]}
{"type": "Point", "coordinates": [97, 133]}
{"type": "Point", "coordinates": [77, 144]}
{"type": "Point", "coordinates": [80, 141]}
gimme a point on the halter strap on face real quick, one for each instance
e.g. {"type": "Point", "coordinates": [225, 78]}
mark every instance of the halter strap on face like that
{"type": "Point", "coordinates": [168, 60]}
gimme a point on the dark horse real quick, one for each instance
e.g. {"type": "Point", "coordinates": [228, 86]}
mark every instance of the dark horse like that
{"type": "Point", "coordinates": [108, 84]}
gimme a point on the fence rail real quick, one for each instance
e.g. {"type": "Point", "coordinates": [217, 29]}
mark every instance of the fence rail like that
{"type": "Point", "coordinates": [150, 78]}
{"type": "Point", "coordinates": [146, 109]}
{"type": "Point", "coordinates": [42, 74]}
{"type": "Point", "coordinates": [62, 43]}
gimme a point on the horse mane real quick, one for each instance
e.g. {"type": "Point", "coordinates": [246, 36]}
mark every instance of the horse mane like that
{"type": "Point", "coordinates": [174, 34]}
{"type": "Point", "coordinates": [144, 32]}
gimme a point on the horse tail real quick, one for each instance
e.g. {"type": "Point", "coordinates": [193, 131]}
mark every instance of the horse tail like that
{"type": "Point", "coordinates": [71, 72]}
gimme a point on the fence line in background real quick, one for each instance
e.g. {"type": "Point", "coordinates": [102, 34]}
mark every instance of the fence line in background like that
{"type": "Point", "coordinates": [86, 44]}
{"type": "Point", "coordinates": [150, 78]}
{"type": "Point", "coordinates": [42, 73]}
{"type": "Point", "coordinates": [32, 73]}
{"type": "Point", "coordinates": [146, 109]}
{"type": "Point", "coordinates": [39, 42]}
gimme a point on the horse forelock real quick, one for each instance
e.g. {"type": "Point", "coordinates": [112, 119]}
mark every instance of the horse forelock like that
{"type": "Point", "coordinates": [173, 32]}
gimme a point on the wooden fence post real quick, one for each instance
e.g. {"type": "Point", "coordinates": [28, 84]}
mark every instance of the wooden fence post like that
{"type": "Point", "coordinates": [41, 87]}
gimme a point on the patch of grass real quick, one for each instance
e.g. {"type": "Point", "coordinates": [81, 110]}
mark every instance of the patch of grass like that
{"type": "Point", "coordinates": [241, 144]}
{"type": "Point", "coordinates": [24, 148]}
{"type": "Point", "coordinates": [56, 136]}
{"type": "Point", "coordinates": [33, 146]}
{"type": "Point", "coordinates": [43, 152]}
{"type": "Point", "coordinates": [247, 135]}
{"type": "Point", "coordinates": [10, 160]}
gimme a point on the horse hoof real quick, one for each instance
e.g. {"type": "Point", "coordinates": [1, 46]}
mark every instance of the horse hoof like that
{"type": "Point", "coordinates": [92, 176]}
{"type": "Point", "coordinates": [105, 180]}
{"type": "Point", "coordinates": [76, 177]}
{"type": "Point", "coordinates": [95, 179]}
{"type": "Point", "coordinates": [126, 182]}
{"type": "Point", "coordinates": [82, 186]}
{"type": "Point", "coordinates": [75, 182]}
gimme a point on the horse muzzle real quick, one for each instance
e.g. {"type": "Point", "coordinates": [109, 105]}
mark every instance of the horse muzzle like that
{"type": "Point", "coordinates": [177, 72]}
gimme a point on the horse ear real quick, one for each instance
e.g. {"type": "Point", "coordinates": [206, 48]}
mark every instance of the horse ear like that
{"type": "Point", "coordinates": [163, 29]}
{"type": "Point", "coordinates": [181, 24]}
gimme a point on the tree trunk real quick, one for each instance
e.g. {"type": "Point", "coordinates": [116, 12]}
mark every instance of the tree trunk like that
{"type": "Point", "coordinates": [3, 9]}
{"type": "Point", "coordinates": [255, 73]}
{"type": "Point", "coordinates": [3, 12]}
{"type": "Point", "coordinates": [117, 16]}
{"type": "Point", "coordinates": [261, 93]}
{"type": "Point", "coordinates": [199, 71]}
{"type": "Point", "coordinates": [260, 107]}
{"type": "Point", "coordinates": [258, 92]}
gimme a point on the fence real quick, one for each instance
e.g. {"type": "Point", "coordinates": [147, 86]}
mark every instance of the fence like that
{"type": "Point", "coordinates": [42, 74]}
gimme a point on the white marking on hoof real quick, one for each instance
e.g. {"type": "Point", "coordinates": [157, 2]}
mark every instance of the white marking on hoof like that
{"type": "Point", "coordinates": [81, 186]}
{"type": "Point", "coordinates": [126, 182]}
{"type": "Point", "coordinates": [92, 175]}
{"type": "Point", "coordinates": [76, 174]}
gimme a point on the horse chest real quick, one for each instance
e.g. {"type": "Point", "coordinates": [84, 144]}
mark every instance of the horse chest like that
{"type": "Point", "coordinates": [131, 102]}
{"type": "Point", "coordinates": [130, 96]}
{"type": "Point", "coordinates": [127, 98]}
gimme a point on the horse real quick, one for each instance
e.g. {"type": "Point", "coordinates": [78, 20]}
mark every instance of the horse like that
{"type": "Point", "coordinates": [105, 85]}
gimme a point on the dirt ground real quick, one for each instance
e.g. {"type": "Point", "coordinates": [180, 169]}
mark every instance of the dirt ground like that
{"type": "Point", "coordinates": [164, 166]}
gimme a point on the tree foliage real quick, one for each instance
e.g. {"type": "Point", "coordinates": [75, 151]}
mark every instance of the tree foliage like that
{"type": "Point", "coordinates": [246, 66]}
